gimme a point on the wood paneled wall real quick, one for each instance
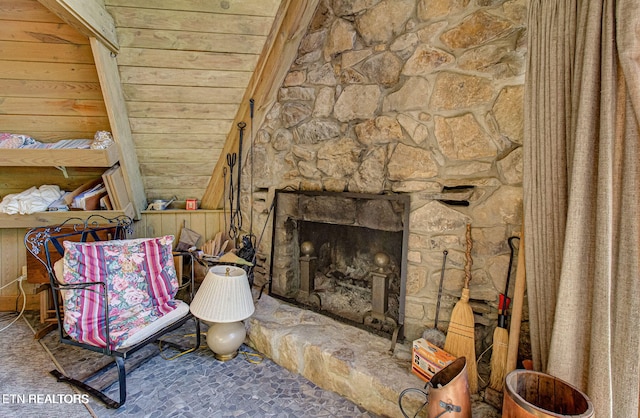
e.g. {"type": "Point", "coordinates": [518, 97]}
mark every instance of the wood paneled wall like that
{"type": "Point", "coordinates": [13, 252]}
{"type": "Point", "coordinates": [49, 89]}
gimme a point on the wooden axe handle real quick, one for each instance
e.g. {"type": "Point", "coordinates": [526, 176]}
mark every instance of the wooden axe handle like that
{"type": "Point", "coordinates": [516, 310]}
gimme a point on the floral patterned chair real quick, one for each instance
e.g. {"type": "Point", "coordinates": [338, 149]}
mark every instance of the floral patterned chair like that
{"type": "Point", "coordinates": [112, 295]}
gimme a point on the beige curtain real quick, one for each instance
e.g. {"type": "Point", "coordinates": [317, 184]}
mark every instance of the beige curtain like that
{"type": "Point", "coordinates": [581, 194]}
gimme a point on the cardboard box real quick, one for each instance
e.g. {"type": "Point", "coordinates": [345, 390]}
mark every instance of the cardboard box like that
{"type": "Point", "coordinates": [428, 359]}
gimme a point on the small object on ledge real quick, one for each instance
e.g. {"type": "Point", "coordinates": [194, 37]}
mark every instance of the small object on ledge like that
{"type": "Point", "coordinates": [102, 140]}
{"type": "Point", "coordinates": [191, 204]}
{"type": "Point", "coordinates": [161, 204]}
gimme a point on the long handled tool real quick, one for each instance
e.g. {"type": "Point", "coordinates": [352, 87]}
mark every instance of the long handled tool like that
{"type": "Point", "coordinates": [516, 311]}
{"type": "Point", "coordinates": [434, 335]}
{"type": "Point", "coordinates": [500, 334]}
{"type": "Point", "coordinates": [461, 333]}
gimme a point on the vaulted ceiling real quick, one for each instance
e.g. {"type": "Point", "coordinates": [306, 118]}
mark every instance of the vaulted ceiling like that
{"type": "Point", "coordinates": [185, 66]}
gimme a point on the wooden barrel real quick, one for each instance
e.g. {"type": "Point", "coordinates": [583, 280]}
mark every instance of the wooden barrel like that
{"type": "Point", "coordinates": [529, 394]}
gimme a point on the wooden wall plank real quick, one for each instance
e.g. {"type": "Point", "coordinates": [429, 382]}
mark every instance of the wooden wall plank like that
{"type": "Point", "coordinates": [26, 10]}
{"type": "Point", "coordinates": [172, 141]}
{"type": "Point", "coordinates": [176, 168]}
{"type": "Point", "coordinates": [50, 89]}
{"type": "Point", "coordinates": [194, 41]}
{"type": "Point", "coordinates": [183, 77]}
{"type": "Point", "coordinates": [41, 52]}
{"type": "Point", "coordinates": [259, 8]}
{"type": "Point", "coordinates": [153, 125]}
{"type": "Point", "coordinates": [51, 107]}
{"type": "Point", "coordinates": [178, 156]}
{"type": "Point", "coordinates": [127, 17]}
{"type": "Point", "coordinates": [182, 193]}
{"type": "Point", "coordinates": [181, 110]}
{"type": "Point", "coordinates": [164, 58]}
{"type": "Point", "coordinates": [182, 94]}
{"type": "Point", "coordinates": [26, 124]}
{"type": "Point", "coordinates": [25, 70]}
{"type": "Point", "coordinates": [190, 182]}
{"type": "Point", "coordinates": [49, 33]}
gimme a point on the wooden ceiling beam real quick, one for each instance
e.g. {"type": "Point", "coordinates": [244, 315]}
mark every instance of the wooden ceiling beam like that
{"type": "Point", "coordinates": [281, 47]}
{"type": "Point", "coordinates": [89, 17]}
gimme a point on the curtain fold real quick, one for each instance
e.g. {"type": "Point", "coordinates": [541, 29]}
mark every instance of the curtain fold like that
{"type": "Point", "coordinates": [582, 199]}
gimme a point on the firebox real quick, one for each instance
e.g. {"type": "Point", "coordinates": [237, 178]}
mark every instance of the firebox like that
{"type": "Point", "coordinates": [343, 255]}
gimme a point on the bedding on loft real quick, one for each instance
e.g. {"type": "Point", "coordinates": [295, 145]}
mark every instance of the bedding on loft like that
{"type": "Point", "coordinates": [101, 140]}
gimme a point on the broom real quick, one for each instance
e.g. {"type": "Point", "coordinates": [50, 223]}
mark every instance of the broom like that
{"type": "Point", "coordinates": [460, 340]}
{"type": "Point", "coordinates": [500, 334]}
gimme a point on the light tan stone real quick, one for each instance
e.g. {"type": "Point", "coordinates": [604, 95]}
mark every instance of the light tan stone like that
{"type": "Point", "coordinates": [383, 69]}
{"type": "Point", "coordinates": [462, 138]}
{"type": "Point", "coordinates": [510, 167]}
{"type": "Point", "coordinates": [341, 37]}
{"type": "Point", "coordinates": [406, 41]}
{"type": "Point", "coordinates": [437, 218]}
{"type": "Point", "coordinates": [502, 207]}
{"type": "Point", "coordinates": [509, 113]}
{"type": "Point", "coordinates": [313, 41]}
{"type": "Point", "coordinates": [296, 94]}
{"type": "Point", "coordinates": [339, 157]}
{"type": "Point", "coordinates": [413, 95]}
{"type": "Point", "coordinates": [351, 58]}
{"type": "Point", "coordinates": [335, 185]}
{"type": "Point", "coordinates": [417, 131]}
{"type": "Point", "coordinates": [411, 163]}
{"type": "Point", "coordinates": [352, 7]}
{"type": "Point", "coordinates": [294, 78]}
{"type": "Point", "coordinates": [381, 22]}
{"type": "Point", "coordinates": [370, 175]}
{"type": "Point", "coordinates": [414, 311]}
{"type": "Point", "coordinates": [457, 91]}
{"type": "Point", "coordinates": [324, 103]}
{"type": "Point", "coordinates": [425, 60]}
{"type": "Point", "coordinates": [435, 9]}
{"type": "Point", "coordinates": [352, 76]}
{"type": "Point", "coordinates": [322, 76]}
{"type": "Point", "coordinates": [357, 102]}
{"type": "Point", "coordinates": [381, 130]}
{"type": "Point", "coordinates": [316, 131]}
{"type": "Point", "coordinates": [294, 112]}
{"type": "Point", "coordinates": [282, 139]}
{"type": "Point", "coordinates": [475, 30]}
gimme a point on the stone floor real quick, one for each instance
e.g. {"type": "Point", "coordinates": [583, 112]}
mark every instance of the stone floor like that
{"type": "Point", "coordinates": [197, 384]}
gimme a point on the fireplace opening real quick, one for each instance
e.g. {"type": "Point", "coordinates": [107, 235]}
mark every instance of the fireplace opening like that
{"type": "Point", "coordinates": [343, 255]}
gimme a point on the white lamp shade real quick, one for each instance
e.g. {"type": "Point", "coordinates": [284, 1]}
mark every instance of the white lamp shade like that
{"type": "Point", "coordinates": [223, 296]}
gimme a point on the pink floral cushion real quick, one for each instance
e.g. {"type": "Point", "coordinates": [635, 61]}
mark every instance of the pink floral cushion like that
{"type": "Point", "coordinates": [141, 283]}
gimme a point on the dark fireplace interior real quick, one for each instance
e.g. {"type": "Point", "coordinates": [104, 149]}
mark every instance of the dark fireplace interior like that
{"type": "Point", "coordinates": [343, 255]}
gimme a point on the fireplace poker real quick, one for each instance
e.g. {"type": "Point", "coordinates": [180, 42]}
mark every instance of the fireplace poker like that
{"type": "Point", "coordinates": [434, 335]}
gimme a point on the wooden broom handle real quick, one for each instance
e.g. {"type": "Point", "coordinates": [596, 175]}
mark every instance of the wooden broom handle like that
{"type": "Point", "coordinates": [467, 264]}
{"type": "Point", "coordinates": [516, 310]}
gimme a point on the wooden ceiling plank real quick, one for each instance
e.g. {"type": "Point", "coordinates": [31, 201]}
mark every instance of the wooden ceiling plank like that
{"type": "Point", "coordinates": [253, 8]}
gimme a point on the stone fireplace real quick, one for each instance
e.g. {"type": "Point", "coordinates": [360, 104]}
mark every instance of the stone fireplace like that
{"type": "Point", "coordinates": [343, 255]}
{"type": "Point", "coordinates": [419, 98]}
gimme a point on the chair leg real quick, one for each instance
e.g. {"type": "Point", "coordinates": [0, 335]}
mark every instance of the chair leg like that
{"type": "Point", "coordinates": [110, 403]}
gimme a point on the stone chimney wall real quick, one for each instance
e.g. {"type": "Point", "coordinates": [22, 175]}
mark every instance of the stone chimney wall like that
{"type": "Point", "coordinates": [411, 96]}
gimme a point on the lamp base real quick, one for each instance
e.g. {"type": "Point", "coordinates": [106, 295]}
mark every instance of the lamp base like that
{"type": "Point", "coordinates": [224, 339]}
{"type": "Point", "coordinates": [225, 357]}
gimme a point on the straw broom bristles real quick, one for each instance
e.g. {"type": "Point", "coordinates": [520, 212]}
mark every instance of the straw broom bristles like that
{"type": "Point", "coordinates": [460, 339]}
{"type": "Point", "coordinates": [499, 358]}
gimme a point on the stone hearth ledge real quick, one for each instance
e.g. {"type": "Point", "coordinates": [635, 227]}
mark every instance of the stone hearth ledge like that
{"type": "Point", "coordinates": [347, 360]}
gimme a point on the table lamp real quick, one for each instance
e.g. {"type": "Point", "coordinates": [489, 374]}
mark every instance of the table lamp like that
{"type": "Point", "coordinates": [223, 301]}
